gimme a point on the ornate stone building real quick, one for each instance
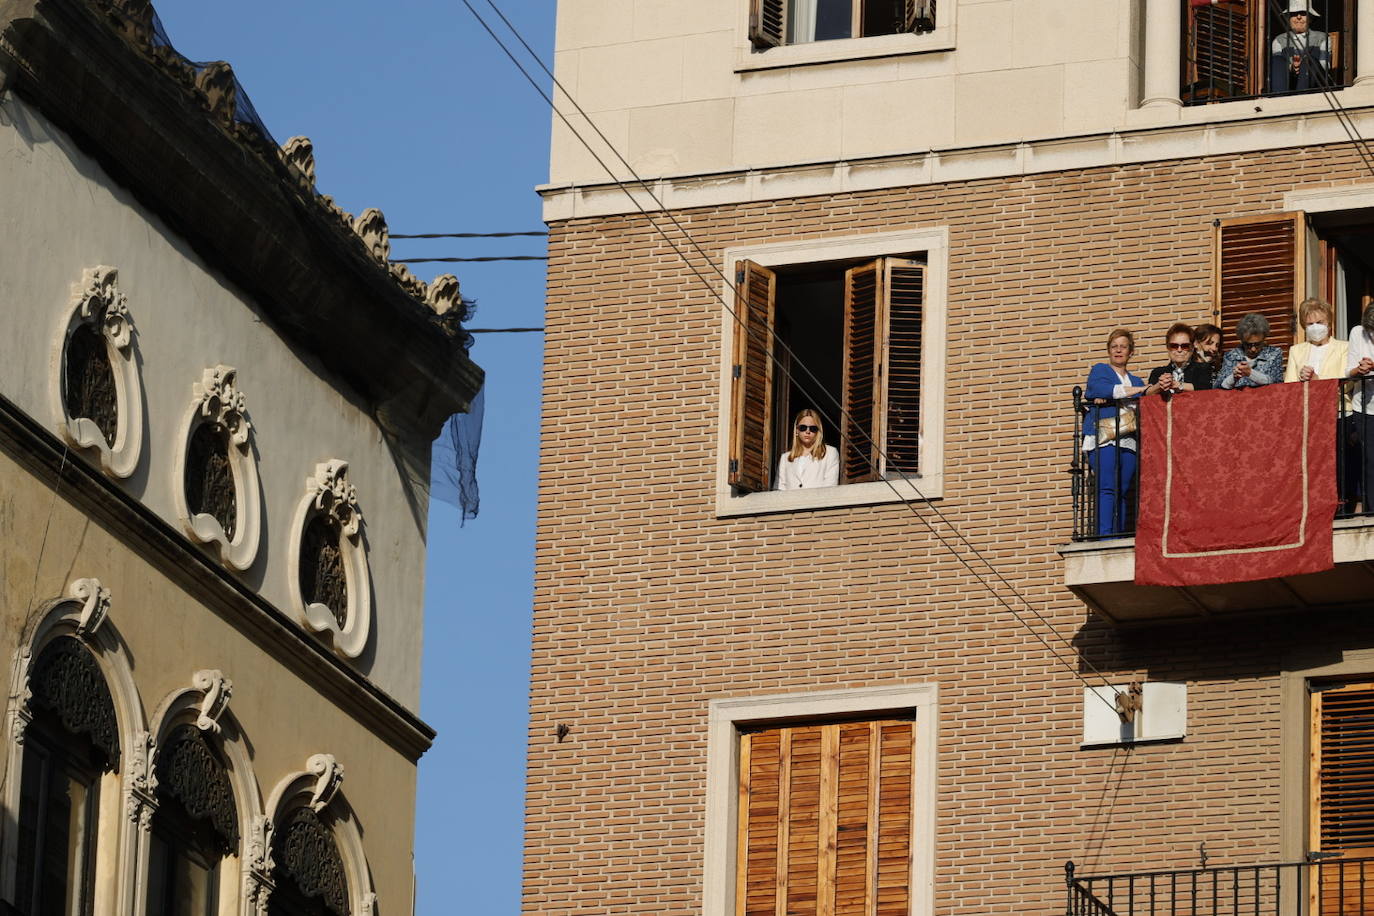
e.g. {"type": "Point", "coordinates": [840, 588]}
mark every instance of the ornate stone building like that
{"type": "Point", "coordinates": [885, 696]}
{"type": "Point", "coordinates": [217, 399]}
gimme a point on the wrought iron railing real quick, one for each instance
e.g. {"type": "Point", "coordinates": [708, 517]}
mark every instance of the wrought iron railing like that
{"type": "Point", "coordinates": [1321, 886]}
{"type": "Point", "coordinates": [1092, 471]}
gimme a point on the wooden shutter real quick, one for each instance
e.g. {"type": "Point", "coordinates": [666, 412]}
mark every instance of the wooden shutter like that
{"type": "Point", "coordinates": [918, 15]}
{"type": "Point", "coordinates": [767, 23]}
{"type": "Point", "coordinates": [825, 819]}
{"type": "Point", "coordinates": [1260, 266]}
{"type": "Point", "coordinates": [1223, 50]}
{"type": "Point", "coordinates": [751, 384]}
{"type": "Point", "coordinates": [1342, 796]}
{"type": "Point", "coordinates": [865, 320]}
{"type": "Point", "coordinates": [905, 285]}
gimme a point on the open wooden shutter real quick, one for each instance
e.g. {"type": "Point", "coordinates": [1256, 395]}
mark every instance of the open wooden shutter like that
{"type": "Point", "coordinates": [865, 322]}
{"type": "Point", "coordinates": [767, 23]}
{"type": "Point", "coordinates": [1260, 266]}
{"type": "Point", "coordinates": [751, 383]}
{"type": "Point", "coordinates": [1223, 47]}
{"type": "Point", "coordinates": [825, 819]}
{"type": "Point", "coordinates": [905, 286]}
{"type": "Point", "coordinates": [1342, 797]}
{"type": "Point", "coordinates": [918, 15]}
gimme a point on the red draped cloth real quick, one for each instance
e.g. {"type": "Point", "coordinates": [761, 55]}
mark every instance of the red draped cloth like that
{"type": "Point", "coordinates": [1237, 486]}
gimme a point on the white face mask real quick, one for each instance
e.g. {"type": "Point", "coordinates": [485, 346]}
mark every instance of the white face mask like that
{"type": "Point", "coordinates": [1316, 332]}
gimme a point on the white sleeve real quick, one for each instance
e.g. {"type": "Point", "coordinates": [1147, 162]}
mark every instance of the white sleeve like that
{"type": "Point", "coordinates": [781, 480]}
{"type": "Point", "coordinates": [830, 471]}
{"type": "Point", "coordinates": [1118, 391]}
{"type": "Point", "coordinates": [1358, 349]}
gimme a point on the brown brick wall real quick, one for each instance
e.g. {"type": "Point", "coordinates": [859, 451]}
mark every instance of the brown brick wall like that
{"type": "Point", "coordinates": [647, 606]}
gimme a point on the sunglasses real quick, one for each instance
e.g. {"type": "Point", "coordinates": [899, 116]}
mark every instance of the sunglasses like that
{"type": "Point", "coordinates": [1180, 346]}
{"type": "Point", "coordinates": [803, 428]}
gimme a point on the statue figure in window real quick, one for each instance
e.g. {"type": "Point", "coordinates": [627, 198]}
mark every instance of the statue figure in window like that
{"type": "Point", "coordinates": [1300, 57]}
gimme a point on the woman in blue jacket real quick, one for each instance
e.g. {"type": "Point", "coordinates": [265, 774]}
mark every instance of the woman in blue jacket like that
{"type": "Point", "coordinates": [1109, 430]}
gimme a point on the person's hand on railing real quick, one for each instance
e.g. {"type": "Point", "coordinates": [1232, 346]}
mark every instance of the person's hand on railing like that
{"type": "Point", "coordinates": [1365, 367]}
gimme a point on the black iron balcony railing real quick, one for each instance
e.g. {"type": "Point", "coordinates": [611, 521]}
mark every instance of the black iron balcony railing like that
{"type": "Point", "coordinates": [1322, 886]}
{"type": "Point", "coordinates": [1103, 486]}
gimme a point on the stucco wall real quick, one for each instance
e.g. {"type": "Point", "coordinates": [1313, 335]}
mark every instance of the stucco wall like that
{"type": "Point", "coordinates": [166, 636]}
{"type": "Point", "coordinates": [676, 89]}
{"type": "Point", "coordinates": [60, 215]}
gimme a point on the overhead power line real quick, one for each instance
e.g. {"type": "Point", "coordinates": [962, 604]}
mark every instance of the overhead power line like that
{"type": "Point", "coordinates": [783, 367]}
{"type": "Point", "coordinates": [504, 330]}
{"type": "Point", "coordinates": [468, 235]}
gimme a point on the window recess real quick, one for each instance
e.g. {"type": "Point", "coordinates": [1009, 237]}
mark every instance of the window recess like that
{"type": "Point", "coordinates": [774, 23]}
{"type": "Point", "coordinates": [844, 338]}
{"type": "Point", "coordinates": [1238, 49]}
{"type": "Point", "coordinates": [1341, 799]}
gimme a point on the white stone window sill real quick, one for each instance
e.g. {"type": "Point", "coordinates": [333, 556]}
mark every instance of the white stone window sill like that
{"type": "Point", "coordinates": [845, 49]}
{"type": "Point", "coordinates": [1356, 96]}
{"type": "Point", "coordinates": [855, 494]}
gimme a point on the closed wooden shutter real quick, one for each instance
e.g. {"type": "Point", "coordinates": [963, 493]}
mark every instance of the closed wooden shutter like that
{"type": "Point", "coordinates": [1342, 803]}
{"type": "Point", "coordinates": [918, 15]}
{"type": "Point", "coordinates": [865, 318]}
{"type": "Point", "coordinates": [1260, 266]}
{"type": "Point", "coordinates": [767, 23]}
{"type": "Point", "coordinates": [905, 286]}
{"type": "Point", "coordinates": [825, 819]}
{"type": "Point", "coordinates": [751, 385]}
{"type": "Point", "coordinates": [1223, 49]}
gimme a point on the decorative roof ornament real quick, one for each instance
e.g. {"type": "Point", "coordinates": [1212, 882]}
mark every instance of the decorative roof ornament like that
{"type": "Point", "coordinates": [371, 228]}
{"type": "Point", "coordinates": [219, 90]}
{"type": "Point", "coordinates": [443, 295]}
{"type": "Point", "coordinates": [299, 153]}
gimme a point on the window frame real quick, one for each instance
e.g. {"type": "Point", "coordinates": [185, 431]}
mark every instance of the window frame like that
{"type": "Point", "coordinates": [726, 718]}
{"type": "Point", "coordinates": [942, 38]}
{"type": "Point", "coordinates": [929, 484]}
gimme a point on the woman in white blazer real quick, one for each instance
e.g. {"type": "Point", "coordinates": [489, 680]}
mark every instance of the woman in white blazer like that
{"type": "Point", "coordinates": [810, 463]}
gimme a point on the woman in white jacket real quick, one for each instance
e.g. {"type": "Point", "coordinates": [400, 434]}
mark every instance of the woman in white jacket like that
{"type": "Point", "coordinates": [810, 463]}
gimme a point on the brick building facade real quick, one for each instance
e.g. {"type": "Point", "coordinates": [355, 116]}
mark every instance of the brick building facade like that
{"type": "Point", "coordinates": [676, 615]}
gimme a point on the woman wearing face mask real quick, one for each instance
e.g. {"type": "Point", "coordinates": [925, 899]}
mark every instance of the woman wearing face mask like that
{"type": "Point", "coordinates": [1359, 362]}
{"type": "Point", "coordinates": [810, 463]}
{"type": "Point", "coordinates": [1207, 349]}
{"type": "Point", "coordinates": [1182, 372]}
{"type": "Point", "coordinates": [1321, 355]}
{"type": "Point", "coordinates": [1254, 362]}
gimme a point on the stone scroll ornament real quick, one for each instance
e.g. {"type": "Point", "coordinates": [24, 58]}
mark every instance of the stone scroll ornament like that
{"type": "Point", "coordinates": [217, 492]}
{"type": "Point", "coordinates": [96, 387]}
{"type": "Point", "coordinates": [329, 580]}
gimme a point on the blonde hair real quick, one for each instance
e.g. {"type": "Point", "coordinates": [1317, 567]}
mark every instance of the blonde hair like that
{"type": "Point", "coordinates": [1312, 304]}
{"type": "Point", "coordinates": [817, 450]}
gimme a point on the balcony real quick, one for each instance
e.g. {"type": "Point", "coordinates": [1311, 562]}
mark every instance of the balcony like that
{"type": "Point", "coordinates": [1328, 885]}
{"type": "Point", "coordinates": [1100, 569]}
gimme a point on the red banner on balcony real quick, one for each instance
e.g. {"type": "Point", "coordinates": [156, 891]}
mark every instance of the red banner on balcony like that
{"type": "Point", "coordinates": [1237, 486]}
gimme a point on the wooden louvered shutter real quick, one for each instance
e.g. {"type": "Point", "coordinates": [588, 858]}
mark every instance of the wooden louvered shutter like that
{"type": "Point", "coordinates": [1342, 797]}
{"type": "Point", "coordinates": [918, 15]}
{"type": "Point", "coordinates": [904, 283]}
{"type": "Point", "coordinates": [767, 23]}
{"type": "Point", "coordinates": [1223, 47]}
{"type": "Point", "coordinates": [751, 383]}
{"type": "Point", "coordinates": [1260, 266]}
{"type": "Point", "coordinates": [825, 820]}
{"type": "Point", "coordinates": [865, 319]}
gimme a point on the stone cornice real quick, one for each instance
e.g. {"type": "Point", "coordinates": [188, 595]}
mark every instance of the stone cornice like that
{"type": "Point", "coordinates": [248, 210]}
{"type": "Point", "coordinates": [199, 574]}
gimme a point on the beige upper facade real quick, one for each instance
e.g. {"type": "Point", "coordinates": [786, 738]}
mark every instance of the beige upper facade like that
{"type": "Point", "coordinates": [999, 87]}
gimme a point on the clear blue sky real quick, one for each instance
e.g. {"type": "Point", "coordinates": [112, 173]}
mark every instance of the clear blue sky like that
{"type": "Point", "coordinates": [413, 109]}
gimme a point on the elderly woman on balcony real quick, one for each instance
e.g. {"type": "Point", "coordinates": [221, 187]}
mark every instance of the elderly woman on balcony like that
{"type": "Point", "coordinates": [1321, 355]}
{"type": "Point", "coordinates": [1109, 430]}
{"type": "Point", "coordinates": [1254, 363]}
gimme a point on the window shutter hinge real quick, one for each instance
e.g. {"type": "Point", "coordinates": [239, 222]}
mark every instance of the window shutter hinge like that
{"type": "Point", "coordinates": [734, 465]}
{"type": "Point", "coordinates": [739, 276]}
{"type": "Point", "coordinates": [735, 371]}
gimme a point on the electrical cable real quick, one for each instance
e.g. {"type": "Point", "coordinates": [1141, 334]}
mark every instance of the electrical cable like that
{"type": "Point", "coordinates": [776, 340]}
{"type": "Point", "coordinates": [467, 235]}
{"type": "Point", "coordinates": [503, 330]}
